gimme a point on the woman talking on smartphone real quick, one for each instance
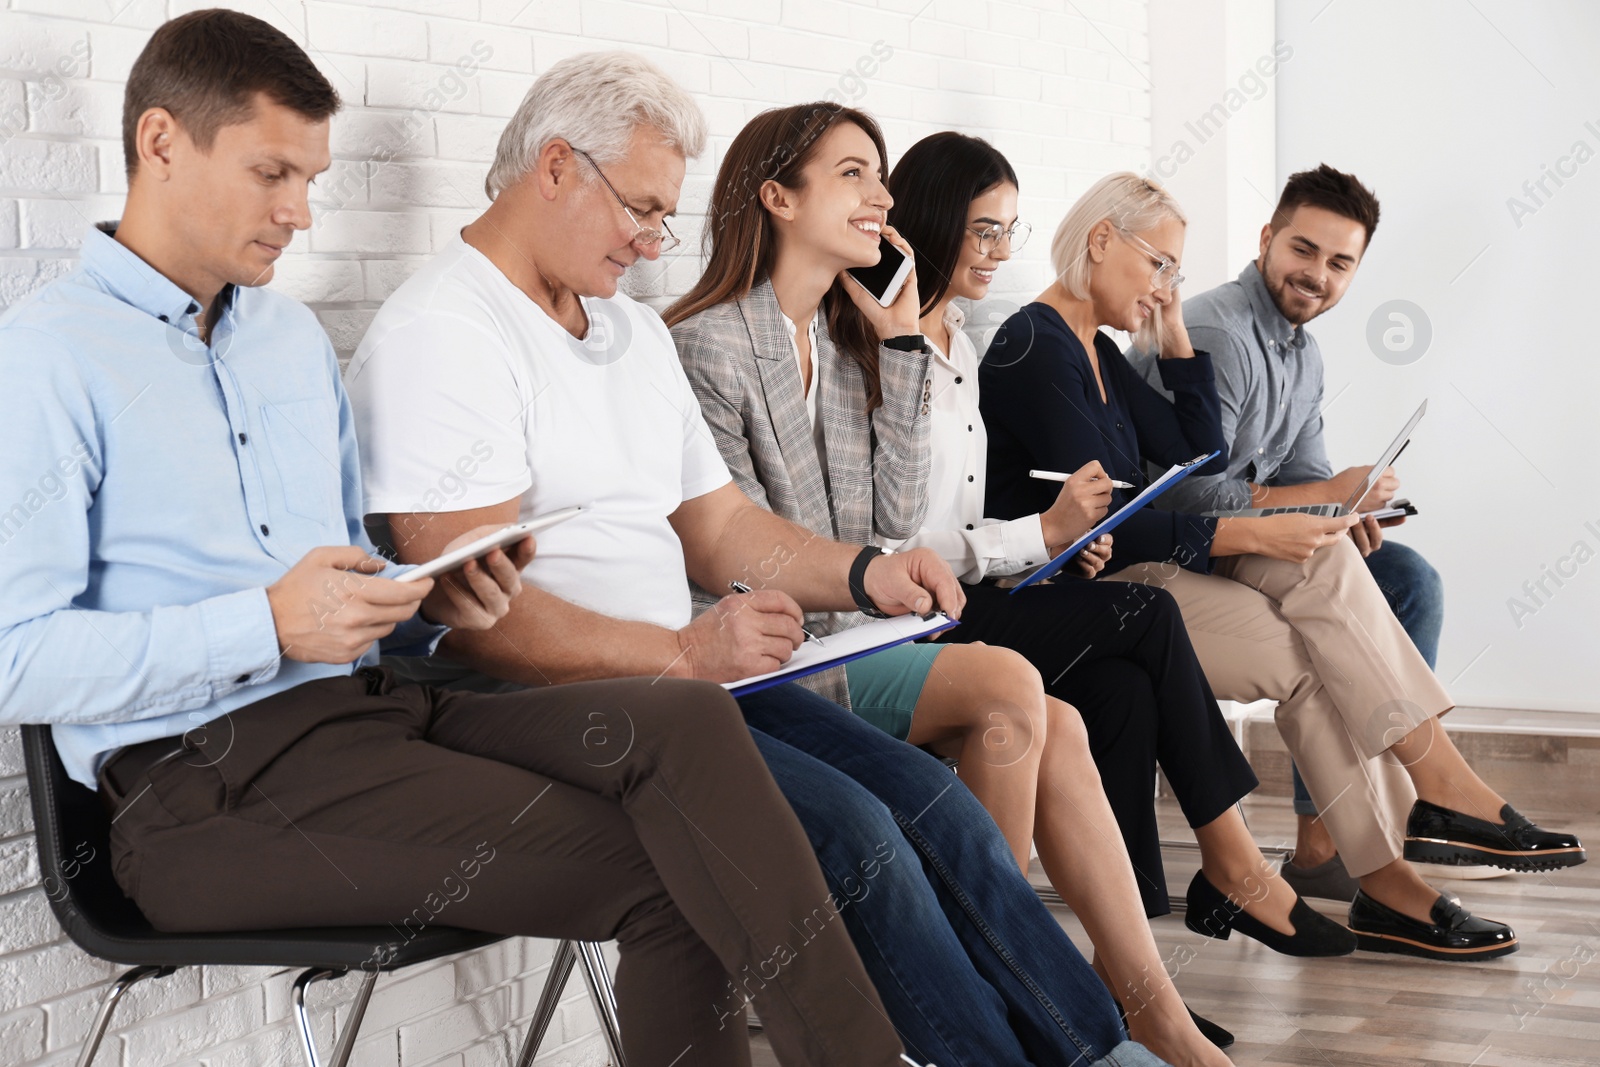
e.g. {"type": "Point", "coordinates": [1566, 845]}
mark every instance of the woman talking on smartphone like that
{"type": "Point", "coordinates": [775, 331]}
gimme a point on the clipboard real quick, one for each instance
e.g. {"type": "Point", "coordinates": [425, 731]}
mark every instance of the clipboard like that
{"type": "Point", "coordinates": [1174, 474]}
{"type": "Point", "coordinates": [840, 648]}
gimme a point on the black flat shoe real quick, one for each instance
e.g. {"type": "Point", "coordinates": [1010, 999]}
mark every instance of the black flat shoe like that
{"type": "Point", "coordinates": [1214, 915]}
{"type": "Point", "coordinates": [1454, 934]}
{"type": "Point", "coordinates": [1439, 835]}
{"type": "Point", "coordinates": [1208, 1029]}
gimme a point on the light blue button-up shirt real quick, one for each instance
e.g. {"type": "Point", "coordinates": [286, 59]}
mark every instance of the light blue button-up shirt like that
{"type": "Point", "coordinates": [151, 488]}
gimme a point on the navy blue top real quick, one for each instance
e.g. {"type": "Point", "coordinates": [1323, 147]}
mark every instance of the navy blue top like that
{"type": "Point", "coordinates": [1042, 406]}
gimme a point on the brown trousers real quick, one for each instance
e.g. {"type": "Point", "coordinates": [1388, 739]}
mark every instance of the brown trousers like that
{"type": "Point", "coordinates": [625, 809]}
{"type": "Point", "coordinates": [1319, 639]}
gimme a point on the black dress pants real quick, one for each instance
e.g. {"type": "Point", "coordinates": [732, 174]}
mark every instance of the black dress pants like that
{"type": "Point", "coordinates": [1124, 660]}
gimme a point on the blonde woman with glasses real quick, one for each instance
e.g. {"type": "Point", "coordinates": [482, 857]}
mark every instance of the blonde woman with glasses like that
{"type": "Point", "coordinates": [1279, 607]}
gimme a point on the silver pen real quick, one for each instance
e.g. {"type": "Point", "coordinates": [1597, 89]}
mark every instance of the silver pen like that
{"type": "Point", "coordinates": [739, 587]}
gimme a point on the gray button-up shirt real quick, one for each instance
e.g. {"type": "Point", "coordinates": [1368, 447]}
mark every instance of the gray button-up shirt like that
{"type": "Point", "coordinates": [1269, 377]}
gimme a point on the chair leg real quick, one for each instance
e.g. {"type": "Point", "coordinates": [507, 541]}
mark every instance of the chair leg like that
{"type": "Point", "coordinates": [102, 1019]}
{"type": "Point", "coordinates": [605, 1000]}
{"type": "Point", "coordinates": [358, 1008]}
{"type": "Point", "coordinates": [560, 970]}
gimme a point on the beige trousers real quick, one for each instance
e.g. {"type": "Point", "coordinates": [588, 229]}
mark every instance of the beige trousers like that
{"type": "Point", "coordinates": [1319, 639]}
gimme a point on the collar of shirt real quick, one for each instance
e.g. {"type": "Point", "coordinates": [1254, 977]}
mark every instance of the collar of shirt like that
{"type": "Point", "coordinates": [954, 319]}
{"type": "Point", "coordinates": [1281, 334]}
{"type": "Point", "coordinates": [794, 331]}
{"type": "Point", "coordinates": [135, 282]}
{"type": "Point", "coordinates": [816, 367]}
{"type": "Point", "coordinates": [201, 474]}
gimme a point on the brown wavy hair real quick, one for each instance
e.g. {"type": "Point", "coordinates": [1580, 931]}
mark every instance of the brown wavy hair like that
{"type": "Point", "coordinates": [739, 242]}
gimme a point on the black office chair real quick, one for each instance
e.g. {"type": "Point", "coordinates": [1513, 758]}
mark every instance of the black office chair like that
{"type": "Point", "coordinates": [75, 860]}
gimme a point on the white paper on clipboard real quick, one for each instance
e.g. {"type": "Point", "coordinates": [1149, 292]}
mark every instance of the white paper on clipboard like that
{"type": "Point", "coordinates": [844, 646]}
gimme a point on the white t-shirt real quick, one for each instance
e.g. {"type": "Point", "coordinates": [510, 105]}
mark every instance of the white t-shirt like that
{"type": "Point", "coordinates": [975, 547]}
{"type": "Point", "coordinates": [467, 394]}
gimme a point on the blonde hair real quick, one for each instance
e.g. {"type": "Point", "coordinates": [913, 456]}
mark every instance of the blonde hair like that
{"type": "Point", "coordinates": [1132, 204]}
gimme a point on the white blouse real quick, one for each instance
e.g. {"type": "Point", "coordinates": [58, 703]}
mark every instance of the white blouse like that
{"type": "Point", "coordinates": [975, 547]}
{"type": "Point", "coordinates": [816, 377]}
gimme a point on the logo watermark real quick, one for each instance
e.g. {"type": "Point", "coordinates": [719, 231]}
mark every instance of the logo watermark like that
{"type": "Point", "coordinates": [1250, 86]}
{"type": "Point", "coordinates": [1537, 592]}
{"type": "Point", "coordinates": [1399, 332]}
{"type": "Point", "coordinates": [1537, 191]}
{"type": "Point", "coordinates": [51, 486]}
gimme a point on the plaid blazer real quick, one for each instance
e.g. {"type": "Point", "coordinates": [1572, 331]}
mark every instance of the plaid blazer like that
{"type": "Point", "coordinates": [740, 361]}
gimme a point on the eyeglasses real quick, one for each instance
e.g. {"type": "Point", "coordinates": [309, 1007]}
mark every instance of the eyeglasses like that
{"type": "Point", "coordinates": [1166, 275]}
{"type": "Point", "coordinates": [643, 235]}
{"type": "Point", "coordinates": [989, 237]}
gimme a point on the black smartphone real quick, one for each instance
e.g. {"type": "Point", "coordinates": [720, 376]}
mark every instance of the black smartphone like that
{"type": "Point", "coordinates": [885, 279]}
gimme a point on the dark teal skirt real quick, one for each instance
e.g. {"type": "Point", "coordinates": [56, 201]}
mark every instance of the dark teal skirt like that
{"type": "Point", "coordinates": [885, 686]}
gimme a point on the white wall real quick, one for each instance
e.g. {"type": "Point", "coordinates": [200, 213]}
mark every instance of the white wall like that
{"type": "Point", "coordinates": [1446, 108]}
{"type": "Point", "coordinates": [1212, 109]}
{"type": "Point", "coordinates": [1062, 86]}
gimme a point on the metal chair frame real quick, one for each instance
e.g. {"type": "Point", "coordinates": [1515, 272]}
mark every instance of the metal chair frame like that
{"type": "Point", "coordinates": [102, 921]}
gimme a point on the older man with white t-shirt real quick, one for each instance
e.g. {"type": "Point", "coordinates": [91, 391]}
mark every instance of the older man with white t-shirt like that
{"type": "Point", "coordinates": [508, 378]}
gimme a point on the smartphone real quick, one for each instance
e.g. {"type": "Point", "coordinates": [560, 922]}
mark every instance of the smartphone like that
{"type": "Point", "coordinates": [510, 535]}
{"type": "Point", "coordinates": [884, 280]}
{"type": "Point", "coordinates": [1396, 508]}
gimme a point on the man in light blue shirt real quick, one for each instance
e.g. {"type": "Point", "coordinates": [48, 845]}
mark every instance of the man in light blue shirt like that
{"type": "Point", "coordinates": [164, 486]}
{"type": "Point", "coordinates": [193, 606]}
{"type": "Point", "coordinates": [1270, 380]}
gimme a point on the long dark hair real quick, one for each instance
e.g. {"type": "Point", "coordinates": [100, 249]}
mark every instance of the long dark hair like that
{"type": "Point", "coordinates": [933, 186]}
{"type": "Point", "coordinates": [739, 242]}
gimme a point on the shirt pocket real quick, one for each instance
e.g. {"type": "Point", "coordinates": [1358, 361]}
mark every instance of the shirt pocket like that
{"type": "Point", "coordinates": [304, 440]}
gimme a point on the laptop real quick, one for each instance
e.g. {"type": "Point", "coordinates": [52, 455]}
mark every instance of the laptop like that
{"type": "Point", "coordinates": [1334, 511]}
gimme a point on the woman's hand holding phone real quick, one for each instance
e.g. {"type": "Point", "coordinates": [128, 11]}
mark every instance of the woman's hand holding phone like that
{"type": "Point", "coordinates": [900, 317]}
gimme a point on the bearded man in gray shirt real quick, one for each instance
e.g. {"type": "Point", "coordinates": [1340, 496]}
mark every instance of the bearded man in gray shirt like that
{"type": "Point", "coordinates": [1269, 376]}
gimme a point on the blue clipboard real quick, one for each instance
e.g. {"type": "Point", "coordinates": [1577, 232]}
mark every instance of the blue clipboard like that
{"type": "Point", "coordinates": [1116, 518]}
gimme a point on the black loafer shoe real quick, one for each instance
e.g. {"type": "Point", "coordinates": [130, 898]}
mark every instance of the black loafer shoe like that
{"type": "Point", "coordinates": [1208, 1029]}
{"type": "Point", "coordinates": [1211, 1031]}
{"type": "Point", "coordinates": [1439, 835]}
{"type": "Point", "coordinates": [1211, 913]}
{"type": "Point", "coordinates": [1454, 934]}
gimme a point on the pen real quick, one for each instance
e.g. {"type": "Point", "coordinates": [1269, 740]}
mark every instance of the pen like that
{"type": "Point", "coordinates": [740, 587]}
{"type": "Point", "coordinates": [1057, 476]}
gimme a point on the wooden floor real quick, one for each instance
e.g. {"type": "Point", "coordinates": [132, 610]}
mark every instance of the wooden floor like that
{"type": "Point", "coordinates": [1540, 1005]}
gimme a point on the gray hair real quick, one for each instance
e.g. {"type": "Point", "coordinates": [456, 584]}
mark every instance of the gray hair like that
{"type": "Point", "coordinates": [1131, 203]}
{"type": "Point", "coordinates": [595, 100]}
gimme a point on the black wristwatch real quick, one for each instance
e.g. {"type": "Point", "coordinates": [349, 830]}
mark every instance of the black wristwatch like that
{"type": "Point", "coordinates": [908, 342]}
{"type": "Point", "coordinates": [858, 582]}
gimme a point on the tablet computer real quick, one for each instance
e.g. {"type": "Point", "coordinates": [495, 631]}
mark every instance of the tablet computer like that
{"type": "Point", "coordinates": [1334, 511]}
{"type": "Point", "coordinates": [487, 544]}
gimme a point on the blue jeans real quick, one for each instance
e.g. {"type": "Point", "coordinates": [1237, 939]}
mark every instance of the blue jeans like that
{"type": "Point", "coordinates": [971, 966]}
{"type": "Point", "coordinates": [1415, 593]}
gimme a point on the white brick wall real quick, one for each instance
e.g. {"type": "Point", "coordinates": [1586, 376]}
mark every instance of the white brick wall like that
{"type": "Point", "coordinates": [1061, 86]}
